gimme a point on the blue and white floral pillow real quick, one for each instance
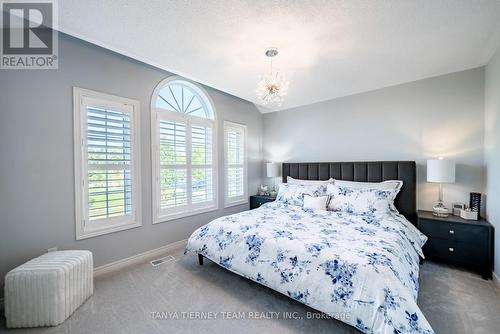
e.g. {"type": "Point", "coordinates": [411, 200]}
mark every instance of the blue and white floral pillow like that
{"type": "Point", "coordinates": [293, 194]}
{"type": "Point", "coordinates": [363, 198]}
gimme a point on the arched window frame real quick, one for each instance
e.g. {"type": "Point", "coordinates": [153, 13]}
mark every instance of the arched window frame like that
{"type": "Point", "coordinates": [158, 114]}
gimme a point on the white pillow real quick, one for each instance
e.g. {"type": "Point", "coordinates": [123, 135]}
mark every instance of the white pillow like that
{"type": "Point", "coordinates": [291, 180]}
{"type": "Point", "coordinates": [315, 203]}
{"type": "Point", "coordinates": [363, 197]}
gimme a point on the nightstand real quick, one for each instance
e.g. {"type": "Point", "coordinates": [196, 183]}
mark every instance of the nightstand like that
{"type": "Point", "coordinates": [454, 240]}
{"type": "Point", "coordinates": [257, 200]}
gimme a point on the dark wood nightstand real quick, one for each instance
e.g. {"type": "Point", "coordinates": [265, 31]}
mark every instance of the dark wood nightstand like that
{"type": "Point", "coordinates": [257, 200]}
{"type": "Point", "coordinates": [458, 241]}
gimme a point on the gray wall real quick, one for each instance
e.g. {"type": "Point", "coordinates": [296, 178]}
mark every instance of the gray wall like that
{"type": "Point", "coordinates": [442, 116]}
{"type": "Point", "coordinates": [492, 148]}
{"type": "Point", "coordinates": [36, 150]}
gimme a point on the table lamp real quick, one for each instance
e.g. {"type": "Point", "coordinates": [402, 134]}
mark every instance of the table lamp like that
{"type": "Point", "coordinates": [440, 171]}
{"type": "Point", "coordinates": [272, 171]}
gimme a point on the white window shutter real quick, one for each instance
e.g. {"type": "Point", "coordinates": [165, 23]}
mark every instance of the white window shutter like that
{"type": "Point", "coordinates": [173, 164]}
{"type": "Point", "coordinates": [201, 161]}
{"type": "Point", "coordinates": [109, 178]}
{"type": "Point", "coordinates": [107, 168]}
{"type": "Point", "coordinates": [185, 157]}
{"type": "Point", "coordinates": [235, 164]}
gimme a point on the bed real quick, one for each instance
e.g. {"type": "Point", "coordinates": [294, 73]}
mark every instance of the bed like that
{"type": "Point", "coordinates": [360, 269]}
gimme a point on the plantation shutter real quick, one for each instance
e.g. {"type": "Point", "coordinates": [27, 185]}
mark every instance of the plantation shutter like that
{"type": "Point", "coordinates": [186, 150]}
{"type": "Point", "coordinates": [201, 162]}
{"type": "Point", "coordinates": [173, 164]}
{"type": "Point", "coordinates": [184, 155]}
{"type": "Point", "coordinates": [107, 173]}
{"type": "Point", "coordinates": [235, 163]}
{"type": "Point", "coordinates": [108, 163]}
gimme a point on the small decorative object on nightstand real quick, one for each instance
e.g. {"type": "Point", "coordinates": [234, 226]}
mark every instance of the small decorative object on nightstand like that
{"type": "Point", "coordinates": [263, 190]}
{"type": "Point", "coordinates": [440, 171]}
{"type": "Point", "coordinates": [458, 241]}
{"type": "Point", "coordinates": [257, 200]}
{"type": "Point", "coordinates": [475, 203]}
{"type": "Point", "coordinates": [468, 214]}
{"type": "Point", "coordinates": [457, 207]}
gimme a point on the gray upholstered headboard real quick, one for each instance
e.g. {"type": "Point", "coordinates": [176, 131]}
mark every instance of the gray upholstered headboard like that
{"type": "Point", "coordinates": [364, 171]}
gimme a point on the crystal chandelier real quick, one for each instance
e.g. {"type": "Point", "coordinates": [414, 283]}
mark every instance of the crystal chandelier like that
{"type": "Point", "coordinates": [272, 88]}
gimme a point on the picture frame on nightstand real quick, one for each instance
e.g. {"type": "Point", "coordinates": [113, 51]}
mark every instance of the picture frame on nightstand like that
{"type": "Point", "coordinates": [457, 207]}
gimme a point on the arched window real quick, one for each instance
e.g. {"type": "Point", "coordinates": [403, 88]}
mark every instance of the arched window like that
{"type": "Point", "coordinates": [184, 98]}
{"type": "Point", "coordinates": [184, 150]}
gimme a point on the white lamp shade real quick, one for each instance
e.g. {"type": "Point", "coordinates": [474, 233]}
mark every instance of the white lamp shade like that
{"type": "Point", "coordinates": [441, 171]}
{"type": "Point", "coordinates": [272, 169]}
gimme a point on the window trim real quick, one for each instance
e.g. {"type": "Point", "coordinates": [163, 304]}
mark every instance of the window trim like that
{"type": "Point", "coordinates": [155, 147]}
{"type": "Point", "coordinates": [80, 163]}
{"type": "Point", "coordinates": [240, 200]}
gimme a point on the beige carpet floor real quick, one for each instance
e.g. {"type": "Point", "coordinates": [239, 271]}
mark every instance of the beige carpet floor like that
{"type": "Point", "coordinates": [147, 299]}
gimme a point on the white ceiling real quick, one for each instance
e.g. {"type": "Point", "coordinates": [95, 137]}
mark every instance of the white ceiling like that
{"type": "Point", "coordinates": [327, 49]}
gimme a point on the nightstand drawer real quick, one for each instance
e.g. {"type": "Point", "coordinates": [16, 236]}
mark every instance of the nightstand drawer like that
{"type": "Point", "coordinates": [475, 235]}
{"type": "Point", "coordinates": [457, 252]}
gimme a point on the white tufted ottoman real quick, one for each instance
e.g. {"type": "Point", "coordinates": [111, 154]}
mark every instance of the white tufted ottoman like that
{"type": "Point", "coordinates": [45, 291]}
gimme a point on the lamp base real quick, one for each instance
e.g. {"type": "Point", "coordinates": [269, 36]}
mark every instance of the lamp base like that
{"type": "Point", "coordinates": [439, 210]}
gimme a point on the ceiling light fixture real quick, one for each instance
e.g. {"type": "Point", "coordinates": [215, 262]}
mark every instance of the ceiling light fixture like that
{"type": "Point", "coordinates": [272, 88]}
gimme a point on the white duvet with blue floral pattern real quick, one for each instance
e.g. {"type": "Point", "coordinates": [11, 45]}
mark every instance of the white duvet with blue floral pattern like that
{"type": "Point", "coordinates": [364, 267]}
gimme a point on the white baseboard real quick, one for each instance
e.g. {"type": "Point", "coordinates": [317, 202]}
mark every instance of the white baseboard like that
{"type": "Point", "coordinates": [142, 257]}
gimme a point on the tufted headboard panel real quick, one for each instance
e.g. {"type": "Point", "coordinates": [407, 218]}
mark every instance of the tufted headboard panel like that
{"type": "Point", "coordinates": [364, 171]}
